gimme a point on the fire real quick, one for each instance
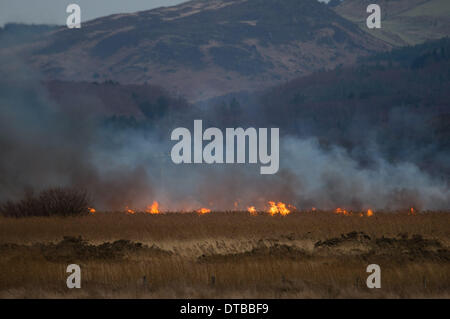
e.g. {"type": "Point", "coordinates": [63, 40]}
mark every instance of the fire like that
{"type": "Point", "coordinates": [129, 211]}
{"type": "Point", "coordinates": [340, 211]}
{"type": "Point", "coordinates": [252, 210]}
{"type": "Point", "coordinates": [282, 209]}
{"type": "Point", "coordinates": [92, 210]}
{"type": "Point", "coordinates": [412, 211]}
{"type": "Point", "coordinates": [153, 208]}
{"type": "Point", "coordinates": [279, 208]}
{"type": "Point", "coordinates": [344, 212]}
{"type": "Point", "coordinates": [202, 211]}
{"type": "Point", "coordinates": [313, 209]}
{"type": "Point", "coordinates": [273, 209]}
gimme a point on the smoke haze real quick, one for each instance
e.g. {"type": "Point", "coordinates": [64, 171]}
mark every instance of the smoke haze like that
{"type": "Point", "coordinates": [45, 144]}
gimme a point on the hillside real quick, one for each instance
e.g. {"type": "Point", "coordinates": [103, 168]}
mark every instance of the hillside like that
{"type": "Point", "coordinates": [203, 48]}
{"type": "Point", "coordinates": [395, 105]}
{"type": "Point", "coordinates": [142, 102]}
{"type": "Point", "coordinates": [404, 22]}
{"type": "Point", "coordinates": [14, 34]}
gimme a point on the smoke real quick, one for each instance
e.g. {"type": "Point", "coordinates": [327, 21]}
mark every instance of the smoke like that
{"type": "Point", "coordinates": [309, 177]}
{"type": "Point", "coordinates": [333, 179]}
{"type": "Point", "coordinates": [45, 144]}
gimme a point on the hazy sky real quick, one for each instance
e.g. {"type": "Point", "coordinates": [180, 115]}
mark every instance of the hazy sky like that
{"type": "Point", "coordinates": [54, 11]}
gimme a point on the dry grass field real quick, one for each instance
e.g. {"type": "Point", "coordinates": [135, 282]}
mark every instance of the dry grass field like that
{"type": "Point", "coordinates": [226, 255]}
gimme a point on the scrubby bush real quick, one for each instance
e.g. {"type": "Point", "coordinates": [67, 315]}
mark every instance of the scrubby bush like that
{"type": "Point", "coordinates": [50, 202]}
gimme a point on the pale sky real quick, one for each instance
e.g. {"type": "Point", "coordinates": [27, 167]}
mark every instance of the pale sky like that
{"type": "Point", "coordinates": [54, 11]}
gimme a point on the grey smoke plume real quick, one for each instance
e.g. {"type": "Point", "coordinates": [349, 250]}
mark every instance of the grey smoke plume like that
{"type": "Point", "coordinates": [333, 179]}
{"type": "Point", "coordinates": [44, 144]}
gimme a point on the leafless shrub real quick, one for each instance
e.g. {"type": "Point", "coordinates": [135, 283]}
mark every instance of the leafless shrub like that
{"type": "Point", "coordinates": [50, 202]}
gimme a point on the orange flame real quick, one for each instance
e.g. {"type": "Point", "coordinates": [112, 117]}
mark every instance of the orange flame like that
{"type": "Point", "coordinates": [369, 212]}
{"type": "Point", "coordinates": [252, 210]}
{"type": "Point", "coordinates": [340, 211]}
{"type": "Point", "coordinates": [129, 211]}
{"type": "Point", "coordinates": [153, 208]}
{"type": "Point", "coordinates": [273, 208]}
{"type": "Point", "coordinates": [412, 211]}
{"type": "Point", "coordinates": [279, 208]}
{"type": "Point", "coordinates": [92, 210]}
{"type": "Point", "coordinates": [282, 209]}
{"type": "Point", "coordinates": [202, 211]}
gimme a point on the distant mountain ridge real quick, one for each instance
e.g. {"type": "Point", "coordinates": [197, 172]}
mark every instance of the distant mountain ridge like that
{"type": "Point", "coordinates": [204, 48]}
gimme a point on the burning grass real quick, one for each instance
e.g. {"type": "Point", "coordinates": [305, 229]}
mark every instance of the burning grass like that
{"type": "Point", "coordinates": [229, 254]}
